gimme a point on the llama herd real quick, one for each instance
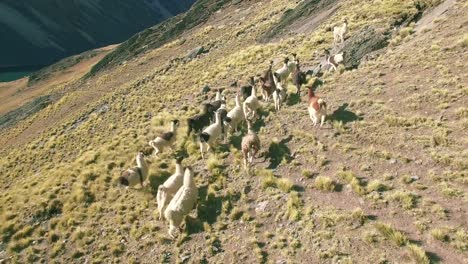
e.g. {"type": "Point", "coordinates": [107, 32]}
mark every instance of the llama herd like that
{"type": "Point", "coordinates": [178, 194]}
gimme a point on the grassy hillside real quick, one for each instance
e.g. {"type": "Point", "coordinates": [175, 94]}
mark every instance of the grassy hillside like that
{"type": "Point", "coordinates": [160, 34]}
{"type": "Point", "coordinates": [384, 182]}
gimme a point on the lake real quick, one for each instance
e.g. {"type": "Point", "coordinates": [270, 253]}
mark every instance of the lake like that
{"type": "Point", "coordinates": [15, 73]}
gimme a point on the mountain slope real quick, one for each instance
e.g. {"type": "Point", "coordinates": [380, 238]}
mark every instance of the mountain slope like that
{"type": "Point", "coordinates": [383, 182]}
{"type": "Point", "coordinates": [41, 32]}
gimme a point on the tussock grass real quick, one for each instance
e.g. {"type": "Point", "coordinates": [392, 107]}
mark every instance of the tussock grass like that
{"type": "Point", "coordinates": [324, 184]}
{"type": "Point", "coordinates": [351, 178]}
{"type": "Point", "coordinates": [377, 186]}
{"type": "Point", "coordinates": [440, 234]}
{"type": "Point", "coordinates": [418, 254]}
{"type": "Point", "coordinates": [390, 233]}
{"type": "Point", "coordinates": [285, 185]}
{"type": "Point", "coordinates": [295, 205]}
{"type": "Point", "coordinates": [407, 200]}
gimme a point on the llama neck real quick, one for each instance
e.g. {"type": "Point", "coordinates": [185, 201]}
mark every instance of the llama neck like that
{"type": "Point", "coordinates": [311, 93]}
{"type": "Point", "coordinates": [188, 179]}
{"type": "Point", "coordinates": [173, 127]}
{"type": "Point", "coordinates": [218, 118]}
{"type": "Point", "coordinates": [178, 168]}
{"type": "Point", "coordinates": [141, 163]}
{"type": "Point", "coordinates": [218, 95]}
{"type": "Point", "coordinates": [253, 91]}
{"type": "Point", "coordinates": [238, 103]}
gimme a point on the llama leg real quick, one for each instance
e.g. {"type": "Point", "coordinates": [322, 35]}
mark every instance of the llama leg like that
{"type": "Point", "coordinates": [311, 115]}
{"type": "Point", "coordinates": [172, 228]}
{"type": "Point", "coordinates": [202, 149]}
{"type": "Point", "coordinates": [160, 209]}
{"type": "Point", "coordinates": [322, 121]}
{"type": "Point", "coordinates": [250, 156]}
{"type": "Point", "coordinates": [246, 154]}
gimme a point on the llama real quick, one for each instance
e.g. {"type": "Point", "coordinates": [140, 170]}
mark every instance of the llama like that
{"type": "Point", "coordinates": [293, 63]}
{"type": "Point", "coordinates": [246, 89]}
{"type": "Point", "coordinates": [182, 203]}
{"type": "Point", "coordinates": [279, 96]}
{"type": "Point", "coordinates": [169, 188]}
{"type": "Point", "coordinates": [223, 114]}
{"type": "Point", "coordinates": [251, 105]}
{"type": "Point", "coordinates": [135, 175]}
{"type": "Point", "coordinates": [283, 72]}
{"type": "Point", "coordinates": [215, 105]}
{"type": "Point", "coordinates": [339, 33]}
{"type": "Point", "coordinates": [198, 122]}
{"type": "Point", "coordinates": [165, 139]}
{"type": "Point", "coordinates": [210, 134]}
{"type": "Point", "coordinates": [298, 78]}
{"type": "Point", "coordinates": [250, 145]}
{"type": "Point", "coordinates": [334, 60]}
{"type": "Point", "coordinates": [317, 108]}
{"type": "Point", "coordinates": [235, 116]}
{"type": "Point", "coordinates": [268, 83]}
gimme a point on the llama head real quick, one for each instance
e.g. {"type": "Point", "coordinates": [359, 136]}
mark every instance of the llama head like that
{"type": "Point", "coordinates": [175, 122]}
{"type": "Point", "coordinates": [140, 156]}
{"type": "Point", "coordinates": [294, 56]}
{"type": "Point", "coordinates": [286, 60]}
{"type": "Point", "coordinates": [179, 160]}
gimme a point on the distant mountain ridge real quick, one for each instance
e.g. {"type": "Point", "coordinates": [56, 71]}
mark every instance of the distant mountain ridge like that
{"type": "Point", "coordinates": [43, 31]}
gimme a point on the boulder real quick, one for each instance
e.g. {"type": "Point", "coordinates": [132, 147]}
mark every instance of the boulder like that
{"type": "Point", "coordinates": [195, 52]}
{"type": "Point", "coordinates": [359, 45]}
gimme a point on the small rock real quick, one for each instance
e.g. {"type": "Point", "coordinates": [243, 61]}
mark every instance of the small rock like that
{"type": "Point", "coordinates": [205, 89]}
{"type": "Point", "coordinates": [185, 257]}
{"type": "Point", "coordinates": [414, 178]}
{"type": "Point", "coordinates": [247, 189]}
{"type": "Point", "coordinates": [261, 206]}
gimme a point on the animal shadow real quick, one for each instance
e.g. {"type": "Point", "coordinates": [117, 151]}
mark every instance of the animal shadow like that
{"type": "Point", "coordinates": [157, 179]}
{"type": "Point", "coordinates": [343, 115]}
{"type": "Point", "coordinates": [278, 151]}
{"type": "Point", "coordinates": [208, 209]}
{"type": "Point", "coordinates": [236, 140]}
{"type": "Point", "coordinates": [293, 99]}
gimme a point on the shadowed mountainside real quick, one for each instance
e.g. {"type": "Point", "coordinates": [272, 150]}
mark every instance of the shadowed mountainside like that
{"type": "Point", "coordinates": [43, 31]}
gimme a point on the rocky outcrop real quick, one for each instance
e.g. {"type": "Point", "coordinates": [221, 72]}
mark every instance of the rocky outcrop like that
{"type": "Point", "coordinates": [362, 44]}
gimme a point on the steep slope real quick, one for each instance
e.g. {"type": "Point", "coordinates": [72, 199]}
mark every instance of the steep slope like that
{"type": "Point", "coordinates": [161, 34]}
{"type": "Point", "coordinates": [41, 32]}
{"type": "Point", "coordinates": [383, 182]}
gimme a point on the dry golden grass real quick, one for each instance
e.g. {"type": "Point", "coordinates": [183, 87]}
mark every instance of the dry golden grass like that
{"type": "Point", "coordinates": [61, 200]}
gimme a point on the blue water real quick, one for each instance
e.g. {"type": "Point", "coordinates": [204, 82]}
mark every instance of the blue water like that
{"type": "Point", "coordinates": [15, 73]}
{"type": "Point", "coordinates": [11, 76]}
